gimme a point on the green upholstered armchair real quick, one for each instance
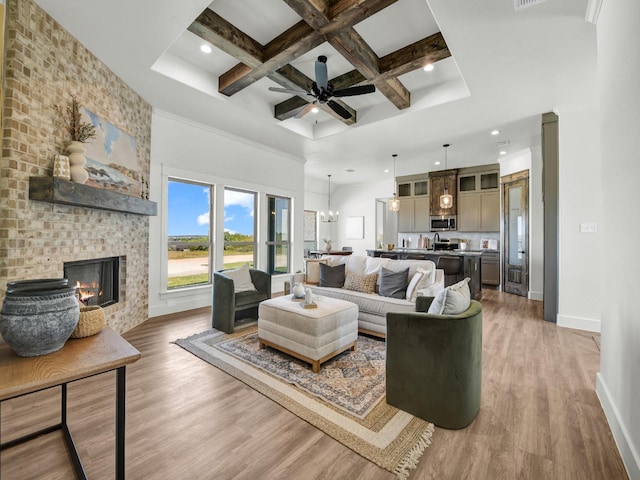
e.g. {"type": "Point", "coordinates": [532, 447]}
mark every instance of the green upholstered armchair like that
{"type": "Point", "coordinates": [434, 364]}
{"type": "Point", "coordinates": [227, 306]}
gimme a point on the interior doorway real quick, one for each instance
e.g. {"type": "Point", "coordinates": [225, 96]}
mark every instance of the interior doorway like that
{"type": "Point", "coordinates": [386, 223]}
{"type": "Point", "coordinates": [515, 247]}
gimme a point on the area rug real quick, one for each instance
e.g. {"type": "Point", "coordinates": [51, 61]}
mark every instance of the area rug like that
{"type": "Point", "coordinates": [345, 399]}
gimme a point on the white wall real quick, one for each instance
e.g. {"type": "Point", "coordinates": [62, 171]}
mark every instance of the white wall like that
{"type": "Point", "coordinates": [617, 383]}
{"type": "Point", "coordinates": [182, 148]}
{"type": "Point", "coordinates": [580, 254]}
{"type": "Point", "coordinates": [356, 200]}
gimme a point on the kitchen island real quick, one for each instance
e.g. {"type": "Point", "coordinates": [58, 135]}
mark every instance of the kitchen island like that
{"type": "Point", "coordinates": [457, 264]}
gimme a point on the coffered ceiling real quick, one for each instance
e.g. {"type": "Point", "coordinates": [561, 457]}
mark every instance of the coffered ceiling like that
{"type": "Point", "coordinates": [495, 68]}
{"type": "Point", "coordinates": [258, 44]}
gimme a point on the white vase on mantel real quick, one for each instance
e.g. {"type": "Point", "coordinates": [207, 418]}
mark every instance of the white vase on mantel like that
{"type": "Point", "coordinates": [77, 162]}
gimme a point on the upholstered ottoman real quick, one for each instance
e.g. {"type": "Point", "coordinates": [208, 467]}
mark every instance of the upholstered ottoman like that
{"type": "Point", "coordinates": [313, 335]}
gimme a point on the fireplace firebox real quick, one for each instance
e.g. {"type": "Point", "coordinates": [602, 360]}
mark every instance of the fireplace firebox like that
{"type": "Point", "coordinates": [97, 281]}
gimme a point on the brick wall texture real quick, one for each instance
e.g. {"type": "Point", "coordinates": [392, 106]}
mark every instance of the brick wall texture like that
{"type": "Point", "coordinates": [43, 66]}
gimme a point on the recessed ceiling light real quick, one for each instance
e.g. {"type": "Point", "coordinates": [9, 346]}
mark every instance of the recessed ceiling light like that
{"type": "Point", "coordinates": [436, 163]}
{"type": "Point", "coordinates": [386, 170]}
{"type": "Point", "coordinates": [495, 132]}
{"type": "Point", "coordinates": [428, 67]}
{"type": "Point", "coordinates": [315, 110]}
{"type": "Point", "coordinates": [204, 48]}
{"type": "Point", "coordinates": [502, 152]}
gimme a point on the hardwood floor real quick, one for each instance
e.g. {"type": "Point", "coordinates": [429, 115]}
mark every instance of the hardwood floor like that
{"type": "Point", "coordinates": [539, 418]}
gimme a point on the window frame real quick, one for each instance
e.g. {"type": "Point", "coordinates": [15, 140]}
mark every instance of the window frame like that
{"type": "Point", "coordinates": [273, 244]}
{"type": "Point", "coordinates": [255, 223]}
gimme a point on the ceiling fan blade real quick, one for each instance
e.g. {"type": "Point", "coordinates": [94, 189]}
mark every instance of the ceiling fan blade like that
{"type": "Point", "coordinates": [322, 79]}
{"type": "Point", "coordinates": [288, 90]}
{"type": "Point", "coordinates": [339, 109]}
{"type": "Point", "coordinates": [304, 110]}
{"type": "Point", "coordinates": [357, 90]}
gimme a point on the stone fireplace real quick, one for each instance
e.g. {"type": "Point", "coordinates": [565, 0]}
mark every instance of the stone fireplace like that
{"type": "Point", "coordinates": [43, 65]}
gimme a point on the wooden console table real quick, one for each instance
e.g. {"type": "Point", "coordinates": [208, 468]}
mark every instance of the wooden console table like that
{"type": "Point", "coordinates": [78, 359]}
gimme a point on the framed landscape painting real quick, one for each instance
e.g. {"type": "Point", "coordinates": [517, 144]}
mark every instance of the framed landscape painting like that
{"type": "Point", "coordinates": [112, 158]}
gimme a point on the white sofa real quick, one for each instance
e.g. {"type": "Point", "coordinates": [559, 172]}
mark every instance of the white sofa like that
{"type": "Point", "coordinates": [373, 307]}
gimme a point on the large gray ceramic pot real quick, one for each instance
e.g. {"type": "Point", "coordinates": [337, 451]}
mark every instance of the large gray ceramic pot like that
{"type": "Point", "coordinates": [38, 316]}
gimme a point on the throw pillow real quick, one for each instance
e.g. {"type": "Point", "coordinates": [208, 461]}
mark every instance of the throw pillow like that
{"type": "Point", "coordinates": [331, 276]}
{"type": "Point", "coordinates": [241, 279]}
{"type": "Point", "coordinates": [360, 282]}
{"type": "Point", "coordinates": [394, 284]}
{"type": "Point", "coordinates": [412, 289]}
{"type": "Point", "coordinates": [453, 300]}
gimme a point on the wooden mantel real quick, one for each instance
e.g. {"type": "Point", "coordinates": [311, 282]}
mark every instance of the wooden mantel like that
{"type": "Point", "coordinates": [56, 190]}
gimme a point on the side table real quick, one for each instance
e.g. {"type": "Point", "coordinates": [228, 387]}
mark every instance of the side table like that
{"type": "Point", "coordinates": [78, 359]}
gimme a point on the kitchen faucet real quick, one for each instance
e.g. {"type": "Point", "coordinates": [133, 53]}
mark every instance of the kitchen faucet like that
{"type": "Point", "coordinates": [436, 237]}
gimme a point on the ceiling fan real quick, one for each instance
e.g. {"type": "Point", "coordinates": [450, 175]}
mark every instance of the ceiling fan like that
{"type": "Point", "coordinates": [323, 92]}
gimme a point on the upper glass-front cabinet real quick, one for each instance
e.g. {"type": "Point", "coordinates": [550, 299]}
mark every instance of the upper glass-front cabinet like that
{"type": "Point", "coordinates": [476, 182]}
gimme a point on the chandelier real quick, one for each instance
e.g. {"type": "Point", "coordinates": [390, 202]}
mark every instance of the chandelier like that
{"type": "Point", "coordinates": [331, 217]}
{"type": "Point", "coordinates": [394, 203]}
{"type": "Point", "coordinates": [446, 200]}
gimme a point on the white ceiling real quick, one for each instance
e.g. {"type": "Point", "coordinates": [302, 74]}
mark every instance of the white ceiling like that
{"type": "Point", "coordinates": [506, 69]}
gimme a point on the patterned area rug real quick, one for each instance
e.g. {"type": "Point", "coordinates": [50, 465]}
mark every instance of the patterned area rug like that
{"type": "Point", "coordinates": [345, 399]}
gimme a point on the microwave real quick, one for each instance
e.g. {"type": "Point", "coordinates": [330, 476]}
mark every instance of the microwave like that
{"type": "Point", "coordinates": [442, 223]}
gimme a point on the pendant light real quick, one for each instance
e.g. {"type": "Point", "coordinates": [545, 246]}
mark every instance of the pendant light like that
{"type": "Point", "coordinates": [394, 203]}
{"type": "Point", "coordinates": [330, 218]}
{"type": "Point", "coordinates": [446, 200]}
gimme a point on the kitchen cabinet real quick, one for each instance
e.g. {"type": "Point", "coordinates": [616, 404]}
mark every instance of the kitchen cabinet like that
{"type": "Point", "coordinates": [479, 199]}
{"type": "Point", "coordinates": [413, 185]}
{"type": "Point", "coordinates": [479, 212]}
{"type": "Point", "coordinates": [413, 215]}
{"type": "Point", "coordinates": [439, 182]}
{"type": "Point", "coordinates": [491, 268]}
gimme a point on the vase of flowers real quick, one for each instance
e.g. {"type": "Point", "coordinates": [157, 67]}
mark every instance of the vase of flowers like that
{"type": "Point", "coordinates": [80, 133]}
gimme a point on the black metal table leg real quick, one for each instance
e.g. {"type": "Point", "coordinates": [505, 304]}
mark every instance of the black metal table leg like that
{"type": "Point", "coordinates": [120, 421]}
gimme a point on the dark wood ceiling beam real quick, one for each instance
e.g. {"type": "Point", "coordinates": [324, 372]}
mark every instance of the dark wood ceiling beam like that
{"type": "Point", "coordinates": [347, 13]}
{"type": "Point", "coordinates": [414, 56]}
{"type": "Point", "coordinates": [217, 31]}
{"type": "Point", "coordinates": [289, 108]}
{"type": "Point", "coordinates": [283, 49]}
{"type": "Point", "coordinates": [353, 47]}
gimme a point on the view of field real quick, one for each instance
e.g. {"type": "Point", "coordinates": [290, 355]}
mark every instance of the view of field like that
{"type": "Point", "coordinates": [189, 257]}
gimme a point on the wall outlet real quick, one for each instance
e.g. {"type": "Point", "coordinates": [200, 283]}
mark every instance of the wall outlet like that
{"type": "Point", "coordinates": [590, 227]}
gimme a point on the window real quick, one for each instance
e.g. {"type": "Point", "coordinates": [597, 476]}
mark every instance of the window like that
{"type": "Point", "coordinates": [239, 228]}
{"type": "Point", "coordinates": [188, 230]}
{"type": "Point", "coordinates": [279, 239]}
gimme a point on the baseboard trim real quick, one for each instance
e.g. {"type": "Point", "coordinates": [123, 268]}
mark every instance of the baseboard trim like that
{"type": "Point", "coordinates": [536, 295]}
{"type": "Point", "coordinates": [588, 324]}
{"type": "Point", "coordinates": [629, 455]}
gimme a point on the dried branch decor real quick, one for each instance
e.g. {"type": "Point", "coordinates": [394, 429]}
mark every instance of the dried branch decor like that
{"type": "Point", "coordinates": [78, 130]}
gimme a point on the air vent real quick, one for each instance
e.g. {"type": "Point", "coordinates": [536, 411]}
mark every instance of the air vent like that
{"type": "Point", "coordinates": [502, 143]}
{"type": "Point", "coordinates": [520, 4]}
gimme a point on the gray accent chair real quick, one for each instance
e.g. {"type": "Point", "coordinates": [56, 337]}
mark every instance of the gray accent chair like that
{"type": "Point", "coordinates": [434, 364]}
{"type": "Point", "coordinates": [227, 306]}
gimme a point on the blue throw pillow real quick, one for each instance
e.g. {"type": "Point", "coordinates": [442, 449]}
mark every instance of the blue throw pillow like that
{"type": "Point", "coordinates": [394, 284]}
{"type": "Point", "coordinates": [331, 276]}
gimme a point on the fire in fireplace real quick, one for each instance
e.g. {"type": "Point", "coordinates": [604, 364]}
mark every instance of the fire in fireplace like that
{"type": "Point", "coordinates": [97, 281]}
